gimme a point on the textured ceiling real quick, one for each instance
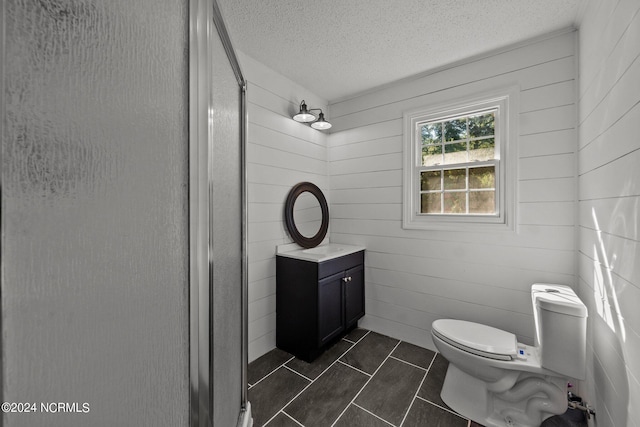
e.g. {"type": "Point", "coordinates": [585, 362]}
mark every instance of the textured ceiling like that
{"type": "Point", "coordinates": [337, 48]}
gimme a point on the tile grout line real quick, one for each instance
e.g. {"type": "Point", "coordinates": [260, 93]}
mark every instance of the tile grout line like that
{"type": "Point", "coordinates": [354, 368]}
{"type": "Point", "coordinates": [312, 381]}
{"type": "Point", "coordinates": [369, 412]}
{"type": "Point", "coordinates": [424, 377]}
{"type": "Point", "coordinates": [365, 384]}
{"type": "Point", "coordinates": [297, 373]}
{"type": "Point", "coordinates": [441, 407]}
{"type": "Point", "coordinates": [409, 363]}
{"type": "Point", "coordinates": [281, 411]}
{"type": "Point", "coordinates": [294, 398]}
{"type": "Point", "coordinates": [294, 420]}
{"type": "Point", "coordinates": [275, 369]}
{"type": "Point", "coordinates": [355, 342]}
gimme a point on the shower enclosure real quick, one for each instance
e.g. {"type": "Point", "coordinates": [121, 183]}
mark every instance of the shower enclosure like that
{"type": "Point", "coordinates": [218, 225]}
{"type": "Point", "coordinates": [123, 291]}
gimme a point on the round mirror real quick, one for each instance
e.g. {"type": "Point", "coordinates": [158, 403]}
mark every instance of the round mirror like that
{"type": "Point", "coordinates": [306, 215]}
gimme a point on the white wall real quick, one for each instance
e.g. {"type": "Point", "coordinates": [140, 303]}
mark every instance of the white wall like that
{"type": "Point", "coordinates": [280, 153]}
{"type": "Point", "coordinates": [609, 206]}
{"type": "Point", "coordinates": [414, 277]}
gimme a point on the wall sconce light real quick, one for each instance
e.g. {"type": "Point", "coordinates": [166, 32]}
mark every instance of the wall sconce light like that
{"type": "Point", "coordinates": [305, 116]}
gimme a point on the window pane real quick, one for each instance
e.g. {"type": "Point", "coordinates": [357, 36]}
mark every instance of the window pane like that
{"type": "Point", "coordinates": [482, 202]}
{"type": "Point", "coordinates": [430, 203]}
{"type": "Point", "coordinates": [482, 149]}
{"type": "Point", "coordinates": [431, 133]}
{"type": "Point", "coordinates": [431, 155]}
{"type": "Point", "coordinates": [455, 179]}
{"type": "Point", "coordinates": [455, 153]}
{"type": "Point", "coordinates": [455, 202]}
{"type": "Point", "coordinates": [484, 177]}
{"type": "Point", "coordinates": [455, 130]}
{"type": "Point", "coordinates": [482, 125]}
{"type": "Point", "coordinates": [430, 180]}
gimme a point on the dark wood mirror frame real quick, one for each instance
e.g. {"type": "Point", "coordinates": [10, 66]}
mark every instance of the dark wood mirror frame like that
{"type": "Point", "coordinates": [297, 190]}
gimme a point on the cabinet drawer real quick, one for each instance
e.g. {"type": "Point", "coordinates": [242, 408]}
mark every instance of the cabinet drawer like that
{"type": "Point", "coordinates": [337, 265]}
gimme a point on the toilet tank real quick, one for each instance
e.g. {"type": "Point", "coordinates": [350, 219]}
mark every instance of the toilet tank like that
{"type": "Point", "coordinates": [561, 329]}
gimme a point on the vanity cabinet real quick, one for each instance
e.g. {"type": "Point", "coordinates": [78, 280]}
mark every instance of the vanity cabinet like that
{"type": "Point", "coordinates": [317, 302]}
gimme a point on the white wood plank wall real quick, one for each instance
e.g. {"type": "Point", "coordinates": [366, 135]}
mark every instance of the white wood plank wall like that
{"type": "Point", "coordinates": [280, 153]}
{"type": "Point", "coordinates": [609, 206]}
{"type": "Point", "coordinates": [414, 277]}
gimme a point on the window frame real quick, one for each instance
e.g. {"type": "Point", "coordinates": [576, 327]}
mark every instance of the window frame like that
{"type": "Point", "coordinates": [504, 101]}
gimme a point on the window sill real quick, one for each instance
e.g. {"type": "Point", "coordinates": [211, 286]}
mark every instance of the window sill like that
{"type": "Point", "coordinates": [466, 223]}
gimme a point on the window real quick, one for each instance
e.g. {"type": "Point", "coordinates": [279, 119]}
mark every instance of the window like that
{"type": "Point", "coordinates": [456, 166]}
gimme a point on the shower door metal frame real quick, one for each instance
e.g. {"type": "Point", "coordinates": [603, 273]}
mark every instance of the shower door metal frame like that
{"type": "Point", "coordinates": [205, 21]}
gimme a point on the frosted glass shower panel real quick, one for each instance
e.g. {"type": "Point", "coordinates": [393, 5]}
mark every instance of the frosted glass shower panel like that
{"type": "Point", "coordinates": [94, 210]}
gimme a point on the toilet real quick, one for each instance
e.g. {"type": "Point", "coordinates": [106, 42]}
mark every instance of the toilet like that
{"type": "Point", "coordinates": [494, 380]}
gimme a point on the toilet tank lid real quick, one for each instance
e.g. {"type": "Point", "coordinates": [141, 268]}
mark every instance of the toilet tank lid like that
{"type": "Point", "coordinates": [558, 298]}
{"type": "Point", "coordinates": [477, 336]}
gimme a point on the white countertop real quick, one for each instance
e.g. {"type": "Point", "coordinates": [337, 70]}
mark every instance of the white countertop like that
{"type": "Point", "coordinates": [320, 253]}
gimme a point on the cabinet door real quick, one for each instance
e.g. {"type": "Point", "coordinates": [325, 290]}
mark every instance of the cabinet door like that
{"type": "Point", "coordinates": [354, 295]}
{"type": "Point", "coordinates": [330, 308]}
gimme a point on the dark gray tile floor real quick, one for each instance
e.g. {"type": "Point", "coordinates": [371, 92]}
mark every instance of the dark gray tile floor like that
{"type": "Point", "coordinates": [365, 379]}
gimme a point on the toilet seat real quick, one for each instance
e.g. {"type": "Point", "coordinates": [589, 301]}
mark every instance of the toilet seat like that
{"type": "Point", "coordinates": [478, 339]}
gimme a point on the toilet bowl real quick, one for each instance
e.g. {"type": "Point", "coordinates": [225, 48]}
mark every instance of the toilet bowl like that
{"type": "Point", "coordinates": [496, 381]}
